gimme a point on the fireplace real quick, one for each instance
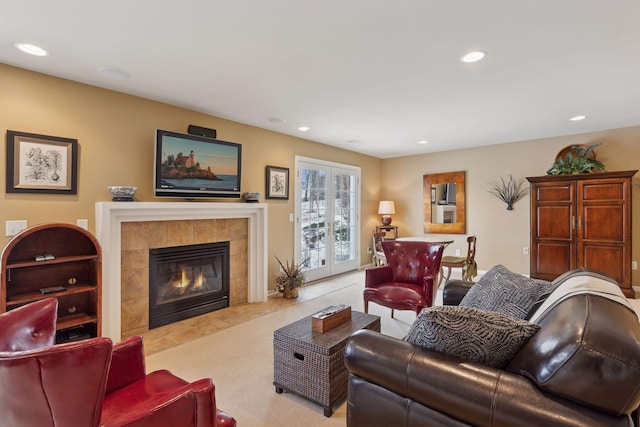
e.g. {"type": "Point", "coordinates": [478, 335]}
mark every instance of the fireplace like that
{"type": "Point", "coordinates": [125, 299]}
{"type": "Point", "coordinates": [186, 281]}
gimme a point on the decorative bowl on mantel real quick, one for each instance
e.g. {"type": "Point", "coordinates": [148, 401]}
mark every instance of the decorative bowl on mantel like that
{"type": "Point", "coordinates": [252, 197]}
{"type": "Point", "coordinates": [122, 193]}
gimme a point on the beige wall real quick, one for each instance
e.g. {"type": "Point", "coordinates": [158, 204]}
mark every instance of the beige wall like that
{"type": "Point", "coordinates": [502, 234]}
{"type": "Point", "coordinates": [115, 133]}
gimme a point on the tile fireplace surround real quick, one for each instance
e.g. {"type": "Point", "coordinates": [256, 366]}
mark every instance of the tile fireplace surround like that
{"type": "Point", "coordinates": [110, 217]}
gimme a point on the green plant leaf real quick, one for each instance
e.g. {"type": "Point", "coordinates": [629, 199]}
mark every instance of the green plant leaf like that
{"type": "Point", "coordinates": [577, 160]}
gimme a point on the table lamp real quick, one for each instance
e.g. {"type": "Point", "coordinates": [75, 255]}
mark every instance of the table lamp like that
{"type": "Point", "coordinates": [386, 209]}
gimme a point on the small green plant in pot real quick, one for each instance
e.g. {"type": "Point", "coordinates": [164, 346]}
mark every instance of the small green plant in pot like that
{"type": "Point", "coordinates": [579, 159]}
{"type": "Point", "coordinates": [291, 278]}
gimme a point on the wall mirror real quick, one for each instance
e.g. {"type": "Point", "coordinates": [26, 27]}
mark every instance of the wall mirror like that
{"type": "Point", "coordinates": [444, 203]}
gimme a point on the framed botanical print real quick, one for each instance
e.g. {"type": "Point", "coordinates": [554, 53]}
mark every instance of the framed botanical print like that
{"type": "Point", "coordinates": [41, 164]}
{"type": "Point", "coordinates": [277, 181]}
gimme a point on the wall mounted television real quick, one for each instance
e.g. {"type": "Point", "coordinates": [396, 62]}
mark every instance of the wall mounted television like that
{"type": "Point", "coordinates": [193, 166]}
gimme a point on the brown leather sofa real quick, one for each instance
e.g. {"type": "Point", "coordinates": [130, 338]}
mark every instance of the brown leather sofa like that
{"type": "Point", "coordinates": [90, 382]}
{"type": "Point", "coordinates": [582, 368]}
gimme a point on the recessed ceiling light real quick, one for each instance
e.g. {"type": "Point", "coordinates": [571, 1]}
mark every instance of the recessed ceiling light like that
{"type": "Point", "coordinates": [31, 49]}
{"type": "Point", "coordinates": [474, 56]}
{"type": "Point", "coordinates": [304, 128]}
{"type": "Point", "coordinates": [277, 120]}
{"type": "Point", "coordinates": [424, 141]}
{"type": "Point", "coordinates": [354, 141]}
{"type": "Point", "coordinates": [578, 118]}
{"type": "Point", "coordinates": [115, 73]}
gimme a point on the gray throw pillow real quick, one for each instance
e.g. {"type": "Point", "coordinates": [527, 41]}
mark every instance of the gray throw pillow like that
{"type": "Point", "coordinates": [479, 336]}
{"type": "Point", "coordinates": [505, 292]}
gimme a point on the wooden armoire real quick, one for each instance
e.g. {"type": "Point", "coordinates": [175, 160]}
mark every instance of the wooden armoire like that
{"type": "Point", "coordinates": [582, 220]}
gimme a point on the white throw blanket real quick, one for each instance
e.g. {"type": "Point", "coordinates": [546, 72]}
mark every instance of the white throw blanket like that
{"type": "Point", "coordinates": [581, 284]}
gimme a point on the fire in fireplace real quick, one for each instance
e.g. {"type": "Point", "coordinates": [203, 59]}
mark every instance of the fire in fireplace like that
{"type": "Point", "coordinates": [186, 281]}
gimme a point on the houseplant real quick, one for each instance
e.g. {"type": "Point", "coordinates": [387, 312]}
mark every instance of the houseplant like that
{"type": "Point", "coordinates": [579, 159]}
{"type": "Point", "coordinates": [291, 278]}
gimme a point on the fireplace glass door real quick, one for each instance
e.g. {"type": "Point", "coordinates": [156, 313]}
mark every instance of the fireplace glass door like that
{"type": "Point", "coordinates": [187, 281]}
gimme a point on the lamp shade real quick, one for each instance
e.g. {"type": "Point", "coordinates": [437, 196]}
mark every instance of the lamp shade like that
{"type": "Point", "coordinates": [386, 207]}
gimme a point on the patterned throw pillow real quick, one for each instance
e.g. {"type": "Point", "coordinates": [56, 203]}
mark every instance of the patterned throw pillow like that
{"type": "Point", "coordinates": [505, 292]}
{"type": "Point", "coordinates": [479, 336]}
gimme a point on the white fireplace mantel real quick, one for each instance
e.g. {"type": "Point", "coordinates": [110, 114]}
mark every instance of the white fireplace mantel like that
{"type": "Point", "coordinates": [110, 216]}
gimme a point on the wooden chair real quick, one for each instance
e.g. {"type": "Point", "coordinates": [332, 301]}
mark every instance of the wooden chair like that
{"type": "Point", "coordinates": [467, 263]}
{"type": "Point", "coordinates": [378, 253]}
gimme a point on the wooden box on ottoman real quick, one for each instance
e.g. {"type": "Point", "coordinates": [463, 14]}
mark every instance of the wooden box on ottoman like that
{"type": "Point", "coordinates": [330, 317]}
{"type": "Point", "coordinates": [311, 364]}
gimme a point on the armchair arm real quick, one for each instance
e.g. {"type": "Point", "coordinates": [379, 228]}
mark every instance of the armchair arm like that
{"type": "Point", "coordinates": [455, 290]}
{"type": "Point", "coordinates": [473, 393]}
{"type": "Point", "coordinates": [378, 275]}
{"type": "Point", "coordinates": [161, 399]}
{"type": "Point", "coordinates": [429, 288]}
{"type": "Point", "coordinates": [127, 363]}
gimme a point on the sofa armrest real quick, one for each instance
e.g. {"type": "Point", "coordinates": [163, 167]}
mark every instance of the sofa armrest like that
{"type": "Point", "coordinates": [473, 393]}
{"type": "Point", "coordinates": [378, 275]}
{"type": "Point", "coordinates": [454, 290]}
{"type": "Point", "coordinates": [127, 363]}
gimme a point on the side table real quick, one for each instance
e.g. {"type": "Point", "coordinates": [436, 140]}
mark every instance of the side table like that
{"type": "Point", "coordinates": [311, 364]}
{"type": "Point", "coordinates": [387, 229]}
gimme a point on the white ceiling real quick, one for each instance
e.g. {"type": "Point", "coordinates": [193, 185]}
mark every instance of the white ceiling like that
{"type": "Point", "coordinates": [381, 72]}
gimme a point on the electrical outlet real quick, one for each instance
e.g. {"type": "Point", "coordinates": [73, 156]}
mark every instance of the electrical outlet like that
{"type": "Point", "coordinates": [84, 223]}
{"type": "Point", "coordinates": [634, 265]}
{"type": "Point", "coordinates": [14, 227]}
{"type": "Point", "coordinates": [457, 252]}
{"type": "Point", "coordinates": [525, 250]}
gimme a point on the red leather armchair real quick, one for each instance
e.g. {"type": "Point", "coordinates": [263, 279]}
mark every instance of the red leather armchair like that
{"type": "Point", "coordinates": [407, 281]}
{"type": "Point", "coordinates": [90, 382]}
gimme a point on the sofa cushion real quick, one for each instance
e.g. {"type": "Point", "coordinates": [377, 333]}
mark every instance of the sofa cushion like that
{"type": "Point", "coordinates": [505, 292]}
{"type": "Point", "coordinates": [479, 336]}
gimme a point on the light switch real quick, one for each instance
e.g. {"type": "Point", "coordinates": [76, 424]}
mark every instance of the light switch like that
{"type": "Point", "coordinates": [14, 227]}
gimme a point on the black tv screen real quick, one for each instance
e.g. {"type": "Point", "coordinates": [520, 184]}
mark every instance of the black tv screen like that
{"type": "Point", "coordinates": [192, 166]}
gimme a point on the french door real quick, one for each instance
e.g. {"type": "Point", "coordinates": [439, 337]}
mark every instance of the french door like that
{"type": "Point", "coordinates": [327, 212]}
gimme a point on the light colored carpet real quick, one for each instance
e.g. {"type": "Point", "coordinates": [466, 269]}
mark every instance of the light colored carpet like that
{"type": "Point", "coordinates": [240, 359]}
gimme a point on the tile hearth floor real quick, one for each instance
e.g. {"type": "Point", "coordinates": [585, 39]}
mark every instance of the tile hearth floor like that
{"type": "Point", "coordinates": [168, 336]}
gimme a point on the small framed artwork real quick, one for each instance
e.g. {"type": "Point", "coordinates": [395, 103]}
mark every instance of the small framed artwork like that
{"type": "Point", "coordinates": [41, 164]}
{"type": "Point", "coordinates": [277, 181]}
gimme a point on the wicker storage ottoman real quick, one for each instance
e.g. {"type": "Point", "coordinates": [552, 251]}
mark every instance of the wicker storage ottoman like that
{"type": "Point", "coordinates": [311, 364]}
